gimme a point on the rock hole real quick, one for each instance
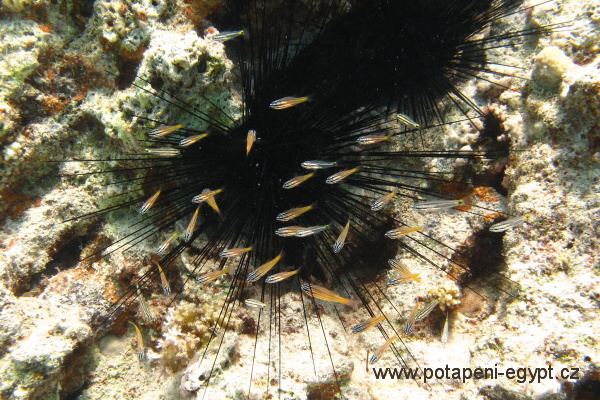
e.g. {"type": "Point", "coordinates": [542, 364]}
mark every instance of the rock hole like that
{"type": "Point", "coordinates": [74, 395]}
{"type": "Point", "coordinates": [489, 139]}
{"type": "Point", "coordinates": [66, 254]}
{"type": "Point", "coordinates": [127, 72]}
{"type": "Point", "coordinates": [31, 109]}
{"type": "Point", "coordinates": [157, 83]}
{"type": "Point", "coordinates": [586, 388]}
{"type": "Point", "coordinates": [202, 65]}
{"type": "Point", "coordinates": [481, 257]}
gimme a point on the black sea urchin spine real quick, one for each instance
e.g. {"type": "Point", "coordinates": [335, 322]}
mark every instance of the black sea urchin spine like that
{"type": "Point", "coordinates": [357, 67]}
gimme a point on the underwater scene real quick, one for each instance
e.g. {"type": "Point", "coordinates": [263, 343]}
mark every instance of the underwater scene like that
{"type": "Point", "coordinates": [300, 199]}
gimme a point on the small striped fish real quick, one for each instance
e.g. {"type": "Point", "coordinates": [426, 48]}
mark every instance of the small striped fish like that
{"type": "Point", "coordinates": [211, 276]}
{"type": "Point", "coordinates": [407, 121]}
{"type": "Point", "coordinates": [234, 252]}
{"type": "Point", "coordinates": [321, 293]}
{"type": "Point", "coordinates": [190, 140]}
{"type": "Point", "coordinates": [149, 203]}
{"type": "Point", "coordinates": [227, 35]}
{"type": "Point", "coordinates": [205, 195]}
{"type": "Point", "coordinates": [163, 130]}
{"type": "Point", "coordinates": [250, 139]}
{"type": "Point", "coordinates": [163, 280]}
{"type": "Point", "coordinates": [509, 223]}
{"type": "Point", "coordinates": [371, 139]}
{"type": "Point", "coordinates": [163, 152]}
{"type": "Point", "coordinates": [143, 304]}
{"type": "Point", "coordinates": [311, 230]}
{"type": "Point", "coordinates": [318, 164]}
{"type": "Point", "coordinates": [399, 232]}
{"type": "Point", "coordinates": [254, 303]}
{"type": "Point", "coordinates": [263, 269]}
{"type": "Point", "coordinates": [426, 310]}
{"type": "Point", "coordinates": [340, 176]}
{"type": "Point", "coordinates": [379, 203]}
{"type": "Point", "coordinates": [445, 331]}
{"type": "Point", "coordinates": [280, 276]}
{"type": "Point", "coordinates": [341, 240]}
{"type": "Point", "coordinates": [141, 351]}
{"type": "Point", "coordinates": [435, 205]}
{"type": "Point", "coordinates": [292, 183]}
{"type": "Point", "coordinates": [405, 274]}
{"type": "Point", "coordinates": [191, 226]}
{"type": "Point", "coordinates": [287, 102]}
{"type": "Point", "coordinates": [163, 247]}
{"type": "Point", "coordinates": [210, 200]}
{"type": "Point", "coordinates": [287, 231]}
{"type": "Point", "coordinates": [369, 323]}
{"type": "Point", "coordinates": [410, 322]}
{"type": "Point", "coordinates": [293, 213]}
{"type": "Point", "coordinates": [379, 352]}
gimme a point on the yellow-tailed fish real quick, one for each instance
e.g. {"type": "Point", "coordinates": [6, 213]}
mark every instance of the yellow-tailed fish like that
{"type": "Point", "coordinates": [311, 230]}
{"type": "Point", "coordinates": [190, 140]}
{"type": "Point", "coordinates": [293, 213]}
{"type": "Point", "coordinates": [191, 226]}
{"type": "Point", "coordinates": [399, 232]}
{"type": "Point", "coordinates": [379, 203]}
{"type": "Point", "coordinates": [163, 152]}
{"type": "Point", "coordinates": [163, 247]}
{"type": "Point", "coordinates": [250, 139]}
{"type": "Point", "coordinates": [371, 139]}
{"type": "Point", "coordinates": [164, 130]}
{"type": "Point", "coordinates": [211, 202]}
{"type": "Point", "coordinates": [318, 164]}
{"type": "Point", "coordinates": [445, 331]}
{"type": "Point", "coordinates": [369, 323]}
{"type": "Point", "coordinates": [407, 121]}
{"type": "Point", "coordinates": [341, 240]}
{"type": "Point", "coordinates": [426, 310]}
{"type": "Point", "coordinates": [287, 102]}
{"type": "Point", "coordinates": [227, 35]}
{"type": "Point", "coordinates": [254, 303]}
{"type": "Point", "coordinates": [321, 293]}
{"type": "Point", "coordinates": [340, 176]}
{"type": "Point", "coordinates": [263, 269]}
{"type": "Point", "coordinates": [234, 252]}
{"type": "Point", "coordinates": [435, 205]}
{"type": "Point", "coordinates": [141, 351]}
{"type": "Point", "coordinates": [292, 183]}
{"type": "Point", "coordinates": [405, 276]}
{"type": "Point", "coordinates": [379, 352]}
{"type": "Point", "coordinates": [288, 231]}
{"type": "Point", "coordinates": [280, 276]}
{"type": "Point", "coordinates": [163, 280]}
{"type": "Point", "coordinates": [211, 276]}
{"type": "Point", "coordinates": [396, 265]}
{"type": "Point", "coordinates": [509, 223]}
{"type": "Point", "coordinates": [410, 322]}
{"type": "Point", "coordinates": [143, 305]}
{"type": "Point", "coordinates": [149, 203]}
{"type": "Point", "coordinates": [205, 195]}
